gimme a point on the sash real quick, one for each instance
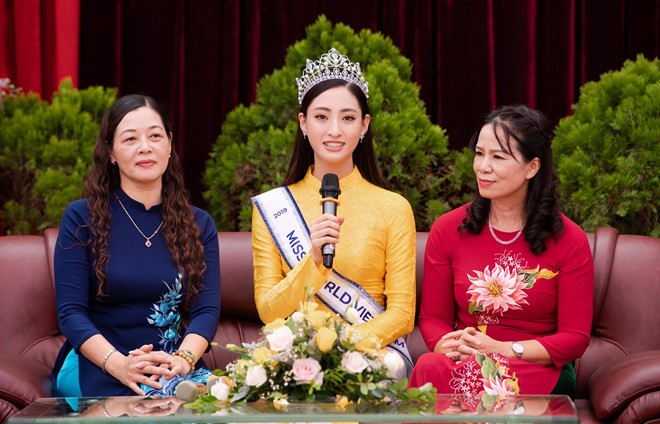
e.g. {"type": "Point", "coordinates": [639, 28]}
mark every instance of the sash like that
{"type": "Point", "coordinates": [289, 230]}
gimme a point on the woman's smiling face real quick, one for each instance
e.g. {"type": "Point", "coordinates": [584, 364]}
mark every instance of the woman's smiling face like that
{"type": "Point", "coordinates": [334, 125]}
{"type": "Point", "coordinates": [141, 148]}
{"type": "Point", "coordinates": [501, 174]}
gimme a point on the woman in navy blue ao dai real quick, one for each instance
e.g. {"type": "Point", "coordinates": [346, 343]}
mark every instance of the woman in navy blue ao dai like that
{"type": "Point", "coordinates": [133, 262]}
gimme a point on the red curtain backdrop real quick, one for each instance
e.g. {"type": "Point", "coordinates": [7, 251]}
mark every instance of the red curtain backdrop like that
{"type": "Point", "coordinates": [39, 43]}
{"type": "Point", "coordinates": [204, 57]}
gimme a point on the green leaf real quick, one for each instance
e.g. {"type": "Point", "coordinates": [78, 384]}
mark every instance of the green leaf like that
{"type": "Point", "coordinates": [488, 368]}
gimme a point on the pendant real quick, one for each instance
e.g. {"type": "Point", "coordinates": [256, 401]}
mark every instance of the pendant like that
{"type": "Point", "coordinates": [147, 243]}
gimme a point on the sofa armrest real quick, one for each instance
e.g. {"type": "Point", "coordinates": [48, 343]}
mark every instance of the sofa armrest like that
{"type": "Point", "coordinates": [22, 382]}
{"type": "Point", "coordinates": [644, 409]}
{"type": "Point", "coordinates": [618, 383]}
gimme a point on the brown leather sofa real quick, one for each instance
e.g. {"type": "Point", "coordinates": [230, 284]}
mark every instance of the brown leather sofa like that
{"type": "Point", "coordinates": [618, 376]}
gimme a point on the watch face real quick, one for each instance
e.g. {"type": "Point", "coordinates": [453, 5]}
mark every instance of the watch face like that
{"type": "Point", "coordinates": [517, 348]}
{"type": "Point", "coordinates": [520, 408]}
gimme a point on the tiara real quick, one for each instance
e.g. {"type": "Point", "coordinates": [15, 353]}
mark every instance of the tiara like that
{"type": "Point", "coordinates": [331, 65]}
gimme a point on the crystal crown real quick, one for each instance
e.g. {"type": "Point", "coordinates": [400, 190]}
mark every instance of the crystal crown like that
{"type": "Point", "coordinates": [331, 65]}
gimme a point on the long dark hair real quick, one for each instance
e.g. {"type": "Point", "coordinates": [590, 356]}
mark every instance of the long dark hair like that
{"type": "Point", "coordinates": [180, 229]}
{"type": "Point", "coordinates": [532, 133]}
{"type": "Point", "coordinates": [364, 155]}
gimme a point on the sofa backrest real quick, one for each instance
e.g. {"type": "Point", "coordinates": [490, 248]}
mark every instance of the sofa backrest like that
{"type": "Point", "coordinates": [28, 320]}
{"type": "Point", "coordinates": [239, 319]}
{"type": "Point", "coordinates": [626, 314]}
{"type": "Point", "coordinates": [626, 297]}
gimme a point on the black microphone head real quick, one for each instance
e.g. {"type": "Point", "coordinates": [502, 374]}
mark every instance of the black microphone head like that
{"type": "Point", "coordinates": [330, 186]}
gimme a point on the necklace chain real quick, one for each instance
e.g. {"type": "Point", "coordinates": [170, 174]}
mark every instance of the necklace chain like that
{"type": "Point", "coordinates": [148, 239]}
{"type": "Point", "coordinates": [500, 241]}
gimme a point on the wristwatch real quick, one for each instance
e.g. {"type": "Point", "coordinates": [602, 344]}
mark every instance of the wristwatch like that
{"type": "Point", "coordinates": [519, 409]}
{"type": "Point", "coordinates": [518, 350]}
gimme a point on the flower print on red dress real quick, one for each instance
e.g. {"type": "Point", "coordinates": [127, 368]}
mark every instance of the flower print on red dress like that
{"type": "Point", "coordinates": [492, 293]}
{"type": "Point", "coordinates": [496, 291]}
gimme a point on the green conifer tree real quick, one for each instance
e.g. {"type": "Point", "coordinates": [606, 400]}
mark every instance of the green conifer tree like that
{"type": "Point", "coordinates": [608, 151]}
{"type": "Point", "coordinates": [252, 153]}
{"type": "Point", "coordinates": [46, 153]}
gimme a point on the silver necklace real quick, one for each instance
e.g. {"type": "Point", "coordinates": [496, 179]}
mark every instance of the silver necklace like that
{"type": "Point", "coordinates": [500, 241]}
{"type": "Point", "coordinates": [148, 239]}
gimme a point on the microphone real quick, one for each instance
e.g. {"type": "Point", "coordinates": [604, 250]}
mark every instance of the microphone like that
{"type": "Point", "coordinates": [329, 189]}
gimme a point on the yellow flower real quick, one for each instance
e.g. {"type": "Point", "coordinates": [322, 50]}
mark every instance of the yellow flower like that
{"type": "Point", "coordinates": [363, 343]}
{"type": "Point", "coordinates": [319, 318]}
{"type": "Point", "coordinates": [242, 366]}
{"type": "Point", "coordinates": [262, 355]}
{"type": "Point", "coordinates": [274, 325]}
{"type": "Point", "coordinates": [342, 402]}
{"type": "Point", "coordinates": [369, 344]}
{"type": "Point", "coordinates": [307, 307]}
{"type": "Point", "coordinates": [281, 404]}
{"type": "Point", "coordinates": [227, 381]}
{"type": "Point", "coordinates": [325, 338]}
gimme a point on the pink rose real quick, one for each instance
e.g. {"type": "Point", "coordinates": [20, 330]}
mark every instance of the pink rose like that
{"type": "Point", "coordinates": [280, 339]}
{"type": "Point", "coordinates": [307, 370]}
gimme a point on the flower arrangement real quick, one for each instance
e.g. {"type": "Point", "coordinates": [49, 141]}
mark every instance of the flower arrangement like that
{"type": "Point", "coordinates": [313, 355]}
{"type": "Point", "coordinates": [7, 89]}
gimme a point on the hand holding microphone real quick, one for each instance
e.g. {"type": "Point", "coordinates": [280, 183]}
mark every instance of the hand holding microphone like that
{"type": "Point", "coordinates": [329, 193]}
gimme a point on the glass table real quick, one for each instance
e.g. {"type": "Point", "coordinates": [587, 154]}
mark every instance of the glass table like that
{"type": "Point", "coordinates": [448, 408]}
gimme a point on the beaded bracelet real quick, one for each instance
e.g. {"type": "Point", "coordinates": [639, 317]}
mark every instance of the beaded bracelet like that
{"type": "Point", "coordinates": [105, 359]}
{"type": "Point", "coordinates": [188, 356]}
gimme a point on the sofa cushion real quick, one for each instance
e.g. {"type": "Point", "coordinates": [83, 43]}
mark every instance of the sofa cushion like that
{"type": "Point", "coordinates": [616, 384]}
{"type": "Point", "coordinates": [644, 409]}
{"type": "Point", "coordinates": [21, 381]}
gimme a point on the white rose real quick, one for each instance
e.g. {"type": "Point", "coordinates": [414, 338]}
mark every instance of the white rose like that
{"type": "Point", "coordinates": [280, 339]}
{"type": "Point", "coordinates": [352, 315]}
{"type": "Point", "coordinates": [220, 390]}
{"type": "Point", "coordinates": [221, 412]}
{"type": "Point", "coordinates": [353, 362]}
{"type": "Point", "coordinates": [343, 335]}
{"type": "Point", "coordinates": [298, 317]}
{"type": "Point", "coordinates": [396, 368]}
{"type": "Point", "coordinates": [256, 376]}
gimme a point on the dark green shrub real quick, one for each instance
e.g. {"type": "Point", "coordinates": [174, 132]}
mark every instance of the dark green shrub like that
{"type": "Point", "coordinates": [46, 153]}
{"type": "Point", "coordinates": [608, 151]}
{"type": "Point", "coordinates": [252, 153]}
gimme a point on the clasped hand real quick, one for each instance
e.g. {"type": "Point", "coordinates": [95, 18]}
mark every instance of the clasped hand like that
{"type": "Point", "coordinates": [146, 366]}
{"type": "Point", "coordinates": [461, 344]}
{"type": "Point", "coordinates": [140, 407]}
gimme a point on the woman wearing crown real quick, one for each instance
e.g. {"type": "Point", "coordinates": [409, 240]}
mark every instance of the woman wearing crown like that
{"type": "Point", "coordinates": [373, 271]}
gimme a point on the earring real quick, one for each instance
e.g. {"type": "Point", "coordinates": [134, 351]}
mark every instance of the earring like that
{"type": "Point", "coordinates": [361, 138]}
{"type": "Point", "coordinates": [112, 161]}
{"type": "Point", "coordinates": [304, 135]}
